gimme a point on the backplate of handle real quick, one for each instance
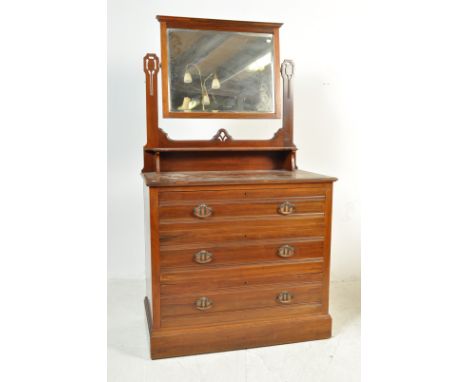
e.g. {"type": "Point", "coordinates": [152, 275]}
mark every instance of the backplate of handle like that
{"type": "Point", "coordinates": [203, 257]}
{"type": "Point", "coordinates": [286, 250]}
{"type": "Point", "coordinates": [284, 297]}
{"type": "Point", "coordinates": [202, 211]}
{"type": "Point", "coordinates": [203, 303]}
{"type": "Point", "coordinates": [286, 208]}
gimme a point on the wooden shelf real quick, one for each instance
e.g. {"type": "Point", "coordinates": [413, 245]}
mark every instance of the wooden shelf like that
{"type": "Point", "coordinates": [207, 149]}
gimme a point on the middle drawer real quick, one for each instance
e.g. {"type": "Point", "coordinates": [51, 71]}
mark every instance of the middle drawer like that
{"type": "Point", "coordinates": [182, 280]}
{"type": "Point", "coordinates": [257, 228]}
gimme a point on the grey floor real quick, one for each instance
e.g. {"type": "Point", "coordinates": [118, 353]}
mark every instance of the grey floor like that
{"type": "Point", "coordinates": [333, 360]}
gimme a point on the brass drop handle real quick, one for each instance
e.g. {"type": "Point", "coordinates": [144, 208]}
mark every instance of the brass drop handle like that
{"type": "Point", "coordinates": [286, 251]}
{"type": "Point", "coordinates": [284, 297]}
{"type": "Point", "coordinates": [286, 208]}
{"type": "Point", "coordinates": [203, 257]}
{"type": "Point", "coordinates": [202, 211]}
{"type": "Point", "coordinates": [203, 303]}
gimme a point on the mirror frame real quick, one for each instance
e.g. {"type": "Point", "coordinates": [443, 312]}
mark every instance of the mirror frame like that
{"type": "Point", "coordinates": [220, 25]}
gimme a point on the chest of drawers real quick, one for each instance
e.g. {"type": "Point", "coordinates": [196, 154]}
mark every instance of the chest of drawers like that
{"type": "Point", "coordinates": [237, 260]}
{"type": "Point", "coordinates": [238, 249]}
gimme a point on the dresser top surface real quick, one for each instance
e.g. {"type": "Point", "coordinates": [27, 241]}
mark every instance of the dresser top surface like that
{"type": "Point", "coordinates": [201, 178]}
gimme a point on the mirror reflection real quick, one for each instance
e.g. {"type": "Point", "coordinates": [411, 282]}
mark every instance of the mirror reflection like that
{"type": "Point", "coordinates": [214, 71]}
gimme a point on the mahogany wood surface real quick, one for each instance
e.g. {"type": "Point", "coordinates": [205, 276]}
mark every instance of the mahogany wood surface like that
{"type": "Point", "coordinates": [252, 274]}
{"type": "Point", "coordinates": [266, 228]}
{"type": "Point", "coordinates": [223, 160]}
{"type": "Point", "coordinates": [239, 335]}
{"type": "Point", "coordinates": [259, 177]}
{"type": "Point", "coordinates": [243, 232]}
{"type": "Point", "coordinates": [241, 252]}
{"type": "Point", "coordinates": [252, 195]}
{"type": "Point", "coordinates": [229, 209]}
{"type": "Point", "coordinates": [240, 238]}
{"type": "Point", "coordinates": [286, 312]}
{"type": "Point", "coordinates": [158, 141]}
{"type": "Point", "coordinates": [233, 299]}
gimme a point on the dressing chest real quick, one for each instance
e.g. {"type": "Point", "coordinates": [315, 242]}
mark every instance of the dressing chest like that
{"type": "Point", "coordinates": [238, 249]}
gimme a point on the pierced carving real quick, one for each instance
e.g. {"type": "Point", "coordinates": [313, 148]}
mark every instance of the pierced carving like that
{"type": "Point", "coordinates": [222, 135]}
{"type": "Point", "coordinates": [151, 68]}
{"type": "Point", "coordinates": [287, 71]}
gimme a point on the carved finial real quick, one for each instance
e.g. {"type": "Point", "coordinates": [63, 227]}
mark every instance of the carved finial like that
{"type": "Point", "coordinates": [151, 68]}
{"type": "Point", "coordinates": [222, 135]}
{"type": "Point", "coordinates": [287, 71]}
{"type": "Point", "coordinates": [287, 68]}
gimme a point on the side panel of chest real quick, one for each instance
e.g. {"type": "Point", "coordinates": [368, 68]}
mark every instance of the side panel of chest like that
{"type": "Point", "coordinates": [238, 266]}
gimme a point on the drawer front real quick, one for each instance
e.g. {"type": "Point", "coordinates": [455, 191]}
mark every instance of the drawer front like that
{"type": "Point", "coordinates": [255, 228]}
{"type": "Point", "coordinates": [231, 203]}
{"type": "Point", "coordinates": [175, 197]}
{"type": "Point", "coordinates": [240, 254]}
{"type": "Point", "coordinates": [205, 305]}
{"type": "Point", "coordinates": [183, 280]}
{"type": "Point", "coordinates": [213, 318]}
{"type": "Point", "coordinates": [190, 255]}
{"type": "Point", "coordinates": [233, 207]}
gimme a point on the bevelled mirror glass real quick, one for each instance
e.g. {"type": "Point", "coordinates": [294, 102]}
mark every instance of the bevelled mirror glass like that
{"type": "Point", "coordinates": [219, 73]}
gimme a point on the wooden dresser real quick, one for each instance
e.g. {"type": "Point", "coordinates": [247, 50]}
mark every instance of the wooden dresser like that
{"type": "Point", "coordinates": [238, 250]}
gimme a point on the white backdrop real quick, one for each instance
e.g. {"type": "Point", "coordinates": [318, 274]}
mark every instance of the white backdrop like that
{"type": "Point", "coordinates": [323, 37]}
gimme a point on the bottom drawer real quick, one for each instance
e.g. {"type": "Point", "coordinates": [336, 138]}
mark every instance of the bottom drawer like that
{"type": "Point", "coordinates": [237, 304]}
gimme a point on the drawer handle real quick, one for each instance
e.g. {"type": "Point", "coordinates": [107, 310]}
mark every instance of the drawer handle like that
{"type": "Point", "coordinates": [203, 303]}
{"type": "Point", "coordinates": [284, 297]}
{"type": "Point", "coordinates": [203, 257]}
{"type": "Point", "coordinates": [202, 211]}
{"type": "Point", "coordinates": [286, 251]}
{"type": "Point", "coordinates": [286, 208]}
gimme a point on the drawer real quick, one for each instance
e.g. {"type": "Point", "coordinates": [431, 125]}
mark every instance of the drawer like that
{"type": "Point", "coordinates": [292, 311]}
{"type": "Point", "coordinates": [186, 280]}
{"type": "Point", "coordinates": [190, 255]}
{"type": "Point", "coordinates": [174, 197]}
{"type": "Point", "coordinates": [231, 208]}
{"type": "Point", "coordinates": [206, 306]}
{"type": "Point", "coordinates": [232, 203]}
{"type": "Point", "coordinates": [255, 228]}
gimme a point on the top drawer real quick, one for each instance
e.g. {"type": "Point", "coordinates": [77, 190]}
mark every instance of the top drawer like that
{"type": "Point", "coordinates": [239, 202]}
